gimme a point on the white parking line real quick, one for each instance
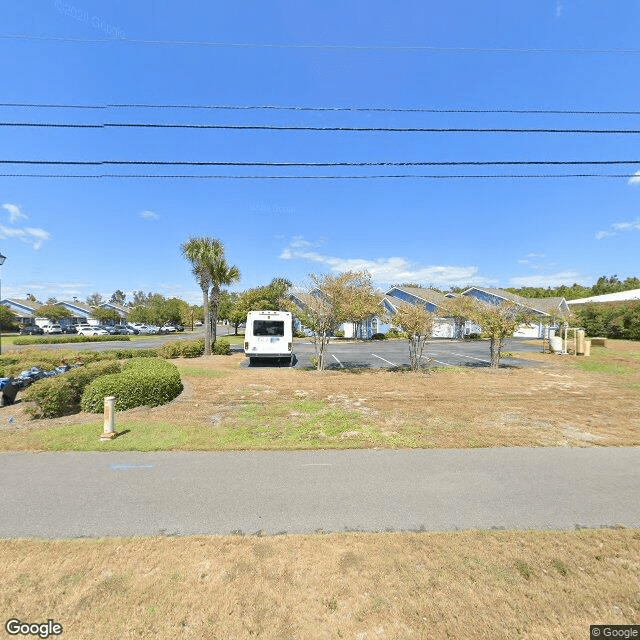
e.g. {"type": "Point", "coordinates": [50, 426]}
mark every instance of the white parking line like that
{"type": "Point", "coordinates": [338, 361]}
{"type": "Point", "coordinates": [464, 355]}
{"type": "Point", "coordinates": [387, 361]}
{"type": "Point", "coordinates": [446, 364]}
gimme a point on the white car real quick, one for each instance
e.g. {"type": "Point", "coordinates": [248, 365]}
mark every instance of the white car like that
{"type": "Point", "coordinates": [52, 328]}
{"type": "Point", "coordinates": [89, 330]}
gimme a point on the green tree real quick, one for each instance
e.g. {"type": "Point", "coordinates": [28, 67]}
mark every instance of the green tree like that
{"type": "Point", "coordinates": [190, 313]}
{"type": "Point", "coordinates": [211, 271]}
{"type": "Point", "coordinates": [95, 299]}
{"type": "Point", "coordinates": [358, 301]}
{"type": "Point", "coordinates": [417, 322]}
{"type": "Point", "coordinates": [269, 296]}
{"type": "Point", "coordinates": [139, 297]}
{"type": "Point", "coordinates": [7, 317]}
{"type": "Point", "coordinates": [118, 297]}
{"type": "Point", "coordinates": [459, 310]}
{"type": "Point", "coordinates": [497, 322]}
{"type": "Point", "coordinates": [109, 316]}
{"type": "Point", "coordinates": [53, 312]}
{"type": "Point", "coordinates": [221, 274]}
{"type": "Point", "coordinates": [327, 302]}
{"type": "Point", "coordinates": [226, 310]}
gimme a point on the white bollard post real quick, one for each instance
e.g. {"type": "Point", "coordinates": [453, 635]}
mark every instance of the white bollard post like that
{"type": "Point", "coordinates": [109, 419]}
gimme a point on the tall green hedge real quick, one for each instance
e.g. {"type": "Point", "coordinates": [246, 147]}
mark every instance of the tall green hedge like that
{"type": "Point", "coordinates": [142, 382]}
{"type": "Point", "coordinates": [609, 319]}
{"type": "Point", "coordinates": [61, 395]}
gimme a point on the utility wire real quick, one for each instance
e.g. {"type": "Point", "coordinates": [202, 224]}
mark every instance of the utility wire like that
{"type": "Point", "coordinates": [320, 177]}
{"type": "Point", "coordinates": [419, 163]}
{"type": "Point", "coordinates": [270, 127]}
{"type": "Point", "coordinates": [271, 107]}
{"type": "Point", "coordinates": [317, 46]}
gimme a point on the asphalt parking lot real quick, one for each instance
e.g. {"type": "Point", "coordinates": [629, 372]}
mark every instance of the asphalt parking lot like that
{"type": "Point", "coordinates": [374, 354]}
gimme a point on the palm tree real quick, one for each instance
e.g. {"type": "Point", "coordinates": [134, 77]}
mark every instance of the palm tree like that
{"type": "Point", "coordinates": [199, 252]}
{"type": "Point", "coordinates": [221, 274]}
{"type": "Point", "coordinates": [210, 269]}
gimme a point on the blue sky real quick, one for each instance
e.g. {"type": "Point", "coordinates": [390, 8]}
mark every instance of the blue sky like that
{"type": "Point", "coordinates": [72, 237]}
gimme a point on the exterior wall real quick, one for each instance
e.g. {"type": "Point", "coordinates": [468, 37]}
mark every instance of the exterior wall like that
{"type": "Point", "coordinates": [443, 328]}
{"type": "Point", "coordinates": [533, 330]}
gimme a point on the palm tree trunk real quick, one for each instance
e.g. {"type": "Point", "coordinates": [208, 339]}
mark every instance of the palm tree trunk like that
{"type": "Point", "coordinates": [215, 302]}
{"type": "Point", "coordinates": [207, 321]}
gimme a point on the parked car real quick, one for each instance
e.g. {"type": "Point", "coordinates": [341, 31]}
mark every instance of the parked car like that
{"type": "Point", "coordinates": [118, 330]}
{"type": "Point", "coordinates": [89, 330]}
{"type": "Point", "coordinates": [167, 328]}
{"type": "Point", "coordinates": [133, 328]}
{"type": "Point", "coordinates": [52, 328]}
{"type": "Point", "coordinates": [69, 328]}
{"type": "Point", "coordinates": [31, 330]}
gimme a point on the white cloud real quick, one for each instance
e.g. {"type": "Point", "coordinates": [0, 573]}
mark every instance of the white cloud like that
{"type": "Point", "coordinates": [559, 8]}
{"type": "Point", "coordinates": [31, 235]}
{"type": "Point", "coordinates": [548, 280]}
{"type": "Point", "coordinates": [149, 215]}
{"type": "Point", "coordinates": [617, 227]}
{"type": "Point", "coordinates": [395, 269]}
{"type": "Point", "coordinates": [635, 178]}
{"type": "Point", "coordinates": [43, 290]}
{"type": "Point", "coordinates": [14, 213]}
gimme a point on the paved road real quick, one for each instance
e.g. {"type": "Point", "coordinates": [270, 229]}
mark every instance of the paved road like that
{"type": "Point", "coordinates": [64, 495]}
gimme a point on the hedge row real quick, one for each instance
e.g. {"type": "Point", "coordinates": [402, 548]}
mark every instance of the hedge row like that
{"type": "Point", "coordinates": [609, 320]}
{"type": "Point", "coordinates": [62, 394]}
{"type": "Point", "coordinates": [142, 382]}
{"type": "Point", "coordinates": [67, 339]}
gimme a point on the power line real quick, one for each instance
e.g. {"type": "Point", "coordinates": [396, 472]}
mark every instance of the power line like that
{"type": "Point", "coordinates": [409, 163]}
{"type": "Point", "coordinates": [320, 177]}
{"type": "Point", "coordinates": [274, 127]}
{"type": "Point", "coordinates": [271, 107]}
{"type": "Point", "coordinates": [318, 46]}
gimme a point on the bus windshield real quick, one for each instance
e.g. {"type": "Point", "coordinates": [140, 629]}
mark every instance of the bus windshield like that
{"type": "Point", "coordinates": [268, 328]}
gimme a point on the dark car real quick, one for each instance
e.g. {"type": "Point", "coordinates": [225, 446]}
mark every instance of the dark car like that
{"type": "Point", "coordinates": [69, 328]}
{"type": "Point", "coordinates": [31, 330]}
{"type": "Point", "coordinates": [116, 330]}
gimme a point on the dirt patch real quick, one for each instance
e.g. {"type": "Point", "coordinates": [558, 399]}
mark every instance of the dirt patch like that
{"type": "Point", "coordinates": [554, 405]}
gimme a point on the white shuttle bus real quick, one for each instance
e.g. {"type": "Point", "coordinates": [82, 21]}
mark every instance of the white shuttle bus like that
{"type": "Point", "coordinates": [269, 334]}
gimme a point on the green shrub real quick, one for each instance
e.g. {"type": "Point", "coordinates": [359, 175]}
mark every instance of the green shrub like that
{"type": "Point", "coordinates": [339, 334]}
{"type": "Point", "coordinates": [67, 339]}
{"type": "Point", "coordinates": [192, 348]}
{"type": "Point", "coordinates": [183, 348]}
{"type": "Point", "coordinates": [299, 334]}
{"type": "Point", "coordinates": [61, 394]}
{"type": "Point", "coordinates": [378, 336]}
{"type": "Point", "coordinates": [396, 333]}
{"type": "Point", "coordinates": [171, 349]}
{"type": "Point", "coordinates": [142, 382]}
{"type": "Point", "coordinates": [221, 348]}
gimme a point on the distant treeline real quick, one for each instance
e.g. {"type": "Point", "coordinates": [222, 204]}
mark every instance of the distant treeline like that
{"type": "Point", "coordinates": [605, 284]}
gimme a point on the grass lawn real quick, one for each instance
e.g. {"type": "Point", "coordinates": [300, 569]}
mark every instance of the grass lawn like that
{"type": "Point", "coordinates": [472, 584]}
{"type": "Point", "coordinates": [568, 402]}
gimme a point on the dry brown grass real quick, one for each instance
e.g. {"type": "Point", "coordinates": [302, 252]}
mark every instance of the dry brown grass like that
{"type": "Point", "coordinates": [556, 404]}
{"type": "Point", "coordinates": [536, 585]}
